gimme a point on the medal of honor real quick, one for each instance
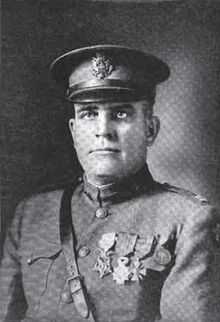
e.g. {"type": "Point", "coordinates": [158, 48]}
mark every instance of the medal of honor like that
{"type": "Point", "coordinates": [128, 257]}
{"type": "Point", "coordinates": [103, 264]}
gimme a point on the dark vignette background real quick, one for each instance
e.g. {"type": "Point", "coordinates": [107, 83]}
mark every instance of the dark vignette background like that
{"type": "Point", "coordinates": [36, 150]}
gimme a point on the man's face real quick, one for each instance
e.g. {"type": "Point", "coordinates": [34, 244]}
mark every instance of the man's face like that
{"type": "Point", "coordinates": [111, 139]}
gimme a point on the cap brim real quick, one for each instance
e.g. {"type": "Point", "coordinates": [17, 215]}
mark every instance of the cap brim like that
{"type": "Point", "coordinates": [107, 95]}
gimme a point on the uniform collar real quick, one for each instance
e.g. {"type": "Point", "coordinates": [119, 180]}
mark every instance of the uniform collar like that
{"type": "Point", "coordinates": [139, 182]}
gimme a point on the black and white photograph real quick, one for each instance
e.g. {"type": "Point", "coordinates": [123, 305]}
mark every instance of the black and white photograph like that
{"type": "Point", "coordinates": [110, 161]}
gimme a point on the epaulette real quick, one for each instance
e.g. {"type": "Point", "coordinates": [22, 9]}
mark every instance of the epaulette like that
{"type": "Point", "coordinates": [184, 192]}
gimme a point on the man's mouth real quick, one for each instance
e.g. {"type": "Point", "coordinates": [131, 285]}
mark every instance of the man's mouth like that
{"type": "Point", "coordinates": [105, 150]}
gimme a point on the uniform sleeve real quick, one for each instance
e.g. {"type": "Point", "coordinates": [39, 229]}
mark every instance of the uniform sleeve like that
{"type": "Point", "coordinates": [191, 290]}
{"type": "Point", "coordinates": [12, 300]}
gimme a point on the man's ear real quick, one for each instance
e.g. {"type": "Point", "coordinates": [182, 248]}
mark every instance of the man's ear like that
{"type": "Point", "coordinates": [153, 127]}
{"type": "Point", "coordinates": [72, 128]}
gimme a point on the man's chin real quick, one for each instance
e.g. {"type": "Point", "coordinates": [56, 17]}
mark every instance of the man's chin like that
{"type": "Point", "coordinates": [105, 166]}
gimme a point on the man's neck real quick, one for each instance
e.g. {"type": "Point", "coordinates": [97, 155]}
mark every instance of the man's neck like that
{"type": "Point", "coordinates": [101, 182]}
{"type": "Point", "coordinates": [110, 190]}
{"type": "Point", "coordinates": [104, 181]}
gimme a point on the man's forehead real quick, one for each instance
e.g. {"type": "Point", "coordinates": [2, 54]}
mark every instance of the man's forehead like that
{"type": "Point", "coordinates": [111, 105]}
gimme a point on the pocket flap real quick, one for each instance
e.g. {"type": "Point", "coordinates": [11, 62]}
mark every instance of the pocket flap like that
{"type": "Point", "coordinates": [49, 252]}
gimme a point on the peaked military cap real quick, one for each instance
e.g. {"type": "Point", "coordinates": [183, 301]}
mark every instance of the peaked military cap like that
{"type": "Point", "coordinates": [108, 73]}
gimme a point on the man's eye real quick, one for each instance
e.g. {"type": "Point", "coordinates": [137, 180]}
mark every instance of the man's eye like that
{"type": "Point", "coordinates": [121, 114]}
{"type": "Point", "coordinates": [88, 114]}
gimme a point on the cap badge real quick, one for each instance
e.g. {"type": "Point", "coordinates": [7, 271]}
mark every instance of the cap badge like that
{"type": "Point", "coordinates": [101, 66]}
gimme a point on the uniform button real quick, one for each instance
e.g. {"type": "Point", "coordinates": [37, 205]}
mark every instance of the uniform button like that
{"type": "Point", "coordinates": [101, 213]}
{"type": "Point", "coordinates": [83, 251]}
{"type": "Point", "coordinates": [66, 297]}
{"type": "Point", "coordinates": [29, 261]}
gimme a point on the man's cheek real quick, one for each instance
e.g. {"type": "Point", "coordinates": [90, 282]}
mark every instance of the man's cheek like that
{"type": "Point", "coordinates": [82, 140]}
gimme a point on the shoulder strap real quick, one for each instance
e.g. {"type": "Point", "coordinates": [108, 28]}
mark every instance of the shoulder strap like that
{"type": "Point", "coordinates": [196, 197]}
{"type": "Point", "coordinates": [68, 242]}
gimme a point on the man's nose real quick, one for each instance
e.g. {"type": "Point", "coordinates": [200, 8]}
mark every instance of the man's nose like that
{"type": "Point", "coordinates": [105, 126]}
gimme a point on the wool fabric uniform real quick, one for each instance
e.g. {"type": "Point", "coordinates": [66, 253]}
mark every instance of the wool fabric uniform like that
{"type": "Point", "coordinates": [169, 233]}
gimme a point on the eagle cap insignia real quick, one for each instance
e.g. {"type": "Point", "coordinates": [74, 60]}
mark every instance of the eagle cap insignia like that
{"type": "Point", "coordinates": [101, 66]}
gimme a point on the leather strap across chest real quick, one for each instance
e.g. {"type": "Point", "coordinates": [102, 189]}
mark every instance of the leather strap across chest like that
{"type": "Point", "coordinates": [68, 242]}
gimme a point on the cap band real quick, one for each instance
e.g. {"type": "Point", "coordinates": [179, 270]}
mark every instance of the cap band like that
{"type": "Point", "coordinates": [111, 84]}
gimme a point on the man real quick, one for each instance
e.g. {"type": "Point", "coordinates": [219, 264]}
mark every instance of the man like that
{"type": "Point", "coordinates": [115, 245]}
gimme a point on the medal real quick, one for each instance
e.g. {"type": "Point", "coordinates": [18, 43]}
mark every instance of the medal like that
{"type": "Point", "coordinates": [125, 243]}
{"type": "Point", "coordinates": [139, 270]}
{"type": "Point", "coordinates": [162, 256]}
{"type": "Point", "coordinates": [107, 241]}
{"type": "Point", "coordinates": [128, 257]}
{"type": "Point", "coordinates": [103, 264]}
{"type": "Point", "coordinates": [144, 246]}
{"type": "Point", "coordinates": [121, 272]}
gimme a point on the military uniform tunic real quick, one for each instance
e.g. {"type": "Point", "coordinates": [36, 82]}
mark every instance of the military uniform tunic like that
{"type": "Point", "coordinates": [146, 252]}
